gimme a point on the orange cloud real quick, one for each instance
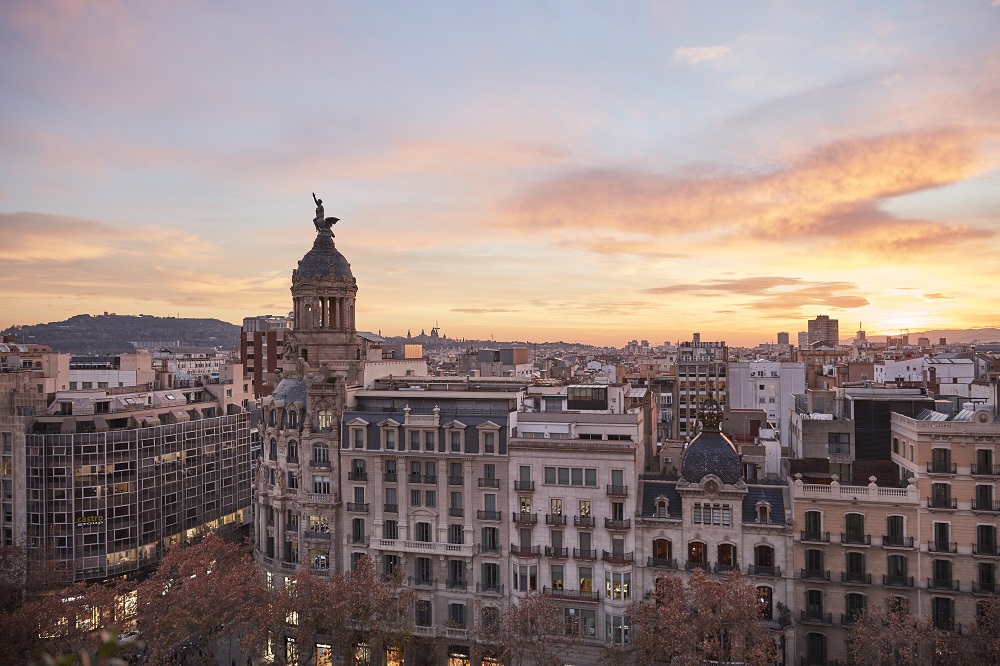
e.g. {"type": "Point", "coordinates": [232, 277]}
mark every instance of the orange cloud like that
{"type": "Point", "coordinates": [775, 294]}
{"type": "Point", "coordinates": [830, 191]}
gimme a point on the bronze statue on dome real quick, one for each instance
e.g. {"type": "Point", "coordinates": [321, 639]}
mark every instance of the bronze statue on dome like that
{"type": "Point", "coordinates": [322, 223]}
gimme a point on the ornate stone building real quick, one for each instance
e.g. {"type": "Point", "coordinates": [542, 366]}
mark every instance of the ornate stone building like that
{"type": "Point", "coordinates": [297, 484]}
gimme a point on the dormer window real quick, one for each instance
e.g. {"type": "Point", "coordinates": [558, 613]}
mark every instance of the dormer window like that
{"type": "Point", "coordinates": [661, 507]}
{"type": "Point", "coordinates": [763, 512]}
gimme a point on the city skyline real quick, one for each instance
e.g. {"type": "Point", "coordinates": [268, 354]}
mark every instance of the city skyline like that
{"type": "Point", "coordinates": [525, 172]}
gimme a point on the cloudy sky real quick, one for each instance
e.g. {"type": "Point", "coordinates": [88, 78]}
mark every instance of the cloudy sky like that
{"type": "Point", "coordinates": [585, 171]}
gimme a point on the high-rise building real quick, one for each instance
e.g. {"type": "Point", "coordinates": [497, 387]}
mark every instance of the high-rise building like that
{"type": "Point", "coordinates": [783, 338]}
{"type": "Point", "coordinates": [824, 329]}
{"type": "Point", "coordinates": [803, 339]}
{"type": "Point", "coordinates": [701, 375]}
{"type": "Point", "coordinates": [262, 341]}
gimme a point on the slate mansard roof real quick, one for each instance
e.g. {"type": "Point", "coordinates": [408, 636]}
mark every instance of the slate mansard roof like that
{"type": "Point", "coordinates": [324, 260]}
{"type": "Point", "coordinates": [772, 495]}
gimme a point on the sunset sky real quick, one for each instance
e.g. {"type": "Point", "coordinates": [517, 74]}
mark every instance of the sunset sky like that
{"type": "Point", "coordinates": [585, 171]}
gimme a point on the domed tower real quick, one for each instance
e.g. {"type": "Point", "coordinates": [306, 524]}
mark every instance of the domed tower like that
{"type": "Point", "coordinates": [297, 483]}
{"type": "Point", "coordinates": [711, 452]}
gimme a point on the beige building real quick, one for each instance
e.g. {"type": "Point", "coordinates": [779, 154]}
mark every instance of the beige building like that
{"type": "Point", "coordinates": [854, 545]}
{"type": "Point", "coordinates": [952, 462]}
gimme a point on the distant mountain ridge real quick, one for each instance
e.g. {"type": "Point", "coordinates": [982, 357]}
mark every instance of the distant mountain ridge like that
{"type": "Point", "coordinates": [958, 335]}
{"type": "Point", "coordinates": [117, 334]}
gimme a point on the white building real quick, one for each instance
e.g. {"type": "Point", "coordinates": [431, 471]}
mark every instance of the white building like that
{"type": "Point", "coordinates": [770, 386]}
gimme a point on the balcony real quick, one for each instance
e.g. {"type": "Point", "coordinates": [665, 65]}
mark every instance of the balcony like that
{"type": "Point", "coordinates": [357, 475]}
{"type": "Point", "coordinates": [942, 502]}
{"type": "Point", "coordinates": [456, 632]}
{"type": "Point", "coordinates": [485, 482]}
{"type": "Point", "coordinates": [525, 551]}
{"type": "Point", "coordinates": [583, 521]}
{"type": "Point", "coordinates": [897, 581]}
{"type": "Point", "coordinates": [524, 486]}
{"type": "Point", "coordinates": [942, 547]}
{"type": "Point", "coordinates": [760, 570]}
{"type": "Point", "coordinates": [985, 588]}
{"type": "Point", "coordinates": [552, 551]}
{"type": "Point", "coordinates": [986, 549]}
{"type": "Point", "coordinates": [856, 577]}
{"type": "Point", "coordinates": [422, 547]}
{"type": "Point", "coordinates": [691, 566]}
{"type": "Point", "coordinates": [584, 554]}
{"type": "Point", "coordinates": [816, 617]}
{"type": "Point", "coordinates": [489, 549]}
{"type": "Point", "coordinates": [856, 539]}
{"type": "Point", "coordinates": [391, 508]}
{"type": "Point", "coordinates": [414, 477]}
{"type": "Point", "coordinates": [456, 512]}
{"type": "Point", "coordinates": [390, 477]}
{"type": "Point", "coordinates": [454, 480]}
{"type": "Point", "coordinates": [848, 619]}
{"type": "Point", "coordinates": [820, 537]}
{"type": "Point", "coordinates": [489, 588]}
{"type": "Point", "coordinates": [357, 539]}
{"type": "Point", "coordinates": [661, 563]}
{"type": "Point", "coordinates": [425, 630]}
{"type": "Point", "coordinates": [321, 536]}
{"type": "Point", "coordinates": [985, 469]}
{"type": "Point", "coordinates": [941, 467]}
{"type": "Point", "coordinates": [555, 519]}
{"type": "Point", "coordinates": [992, 506]}
{"type": "Point", "coordinates": [319, 464]}
{"type": "Point", "coordinates": [358, 507]}
{"type": "Point", "coordinates": [617, 558]}
{"type": "Point", "coordinates": [482, 514]}
{"type": "Point", "coordinates": [896, 541]}
{"type": "Point", "coordinates": [456, 584]}
{"type": "Point", "coordinates": [725, 568]}
{"type": "Point", "coordinates": [814, 574]}
{"type": "Point", "coordinates": [574, 595]}
{"type": "Point", "coordinates": [430, 479]}
{"type": "Point", "coordinates": [525, 518]}
{"type": "Point", "coordinates": [618, 525]}
{"type": "Point", "coordinates": [942, 584]}
{"type": "Point", "coordinates": [422, 581]}
{"type": "Point", "coordinates": [618, 491]}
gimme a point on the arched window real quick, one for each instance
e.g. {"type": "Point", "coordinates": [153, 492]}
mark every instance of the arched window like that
{"type": "Point", "coordinates": [765, 600]}
{"type": "Point", "coordinates": [273, 449]}
{"type": "Point", "coordinates": [292, 418]}
{"type": "Point", "coordinates": [763, 512]}
{"type": "Point", "coordinates": [324, 419]}
{"type": "Point", "coordinates": [763, 556]}
{"type": "Point", "coordinates": [661, 507]}
{"type": "Point", "coordinates": [662, 550]}
{"type": "Point", "coordinates": [293, 451]}
{"type": "Point", "coordinates": [726, 556]}
{"type": "Point", "coordinates": [270, 416]}
{"type": "Point", "coordinates": [855, 604]}
{"type": "Point", "coordinates": [696, 553]}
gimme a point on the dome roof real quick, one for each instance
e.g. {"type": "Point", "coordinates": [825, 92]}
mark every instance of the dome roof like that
{"type": "Point", "coordinates": [711, 452]}
{"type": "Point", "coordinates": [323, 261]}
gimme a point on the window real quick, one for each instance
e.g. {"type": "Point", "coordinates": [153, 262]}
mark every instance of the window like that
{"type": "Point", "coordinates": [839, 443]}
{"type": "Point", "coordinates": [525, 577]}
{"type": "Point", "coordinates": [942, 613]}
{"type": "Point", "coordinates": [415, 498]}
{"type": "Point", "coordinates": [489, 443]}
{"type": "Point", "coordinates": [390, 529]}
{"type": "Point", "coordinates": [765, 601]}
{"type": "Point", "coordinates": [661, 508]}
{"type": "Point", "coordinates": [423, 613]}
{"type": "Point", "coordinates": [662, 549]}
{"type": "Point", "coordinates": [389, 438]}
{"type": "Point", "coordinates": [321, 485]}
{"type": "Point", "coordinates": [429, 441]}
{"type": "Point", "coordinates": [555, 506]}
{"type": "Point", "coordinates": [813, 524]}
{"type": "Point", "coordinates": [455, 438]}
{"type": "Point", "coordinates": [422, 570]}
{"type": "Point", "coordinates": [358, 530]}
{"type": "Point", "coordinates": [855, 527]}
{"type": "Point", "coordinates": [815, 648]}
{"type": "Point", "coordinates": [712, 514]}
{"type": "Point", "coordinates": [584, 508]}
{"type": "Point", "coordinates": [617, 629]}
{"type": "Point", "coordinates": [586, 579]}
{"type": "Point", "coordinates": [456, 534]}
{"type": "Point", "coordinates": [696, 553]}
{"type": "Point", "coordinates": [491, 576]}
{"type": "Point", "coordinates": [358, 436]}
{"type": "Point", "coordinates": [556, 573]}
{"type": "Point", "coordinates": [456, 615]}
{"type": "Point", "coordinates": [430, 498]}
{"type": "Point", "coordinates": [763, 513]}
{"type": "Point", "coordinates": [566, 476]}
{"type": "Point", "coordinates": [763, 556]}
{"type": "Point", "coordinates": [491, 539]}
{"type": "Point", "coordinates": [580, 622]}
{"type": "Point", "coordinates": [423, 532]}
{"type": "Point", "coordinates": [456, 573]}
{"type": "Point", "coordinates": [617, 585]}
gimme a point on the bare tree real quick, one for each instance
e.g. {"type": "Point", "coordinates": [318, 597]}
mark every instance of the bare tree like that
{"type": "Point", "coordinates": [714, 620]}
{"type": "Point", "coordinates": [201, 596]}
{"type": "Point", "coordinates": [530, 631]}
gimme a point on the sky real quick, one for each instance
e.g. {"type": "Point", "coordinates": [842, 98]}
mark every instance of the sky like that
{"type": "Point", "coordinates": [583, 171]}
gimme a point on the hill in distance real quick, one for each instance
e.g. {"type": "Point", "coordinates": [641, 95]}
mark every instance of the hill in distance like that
{"type": "Point", "coordinates": [118, 334]}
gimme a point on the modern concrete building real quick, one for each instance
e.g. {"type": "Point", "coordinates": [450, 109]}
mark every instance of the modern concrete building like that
{"type": "Point", "coordinates": [701, 375]}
